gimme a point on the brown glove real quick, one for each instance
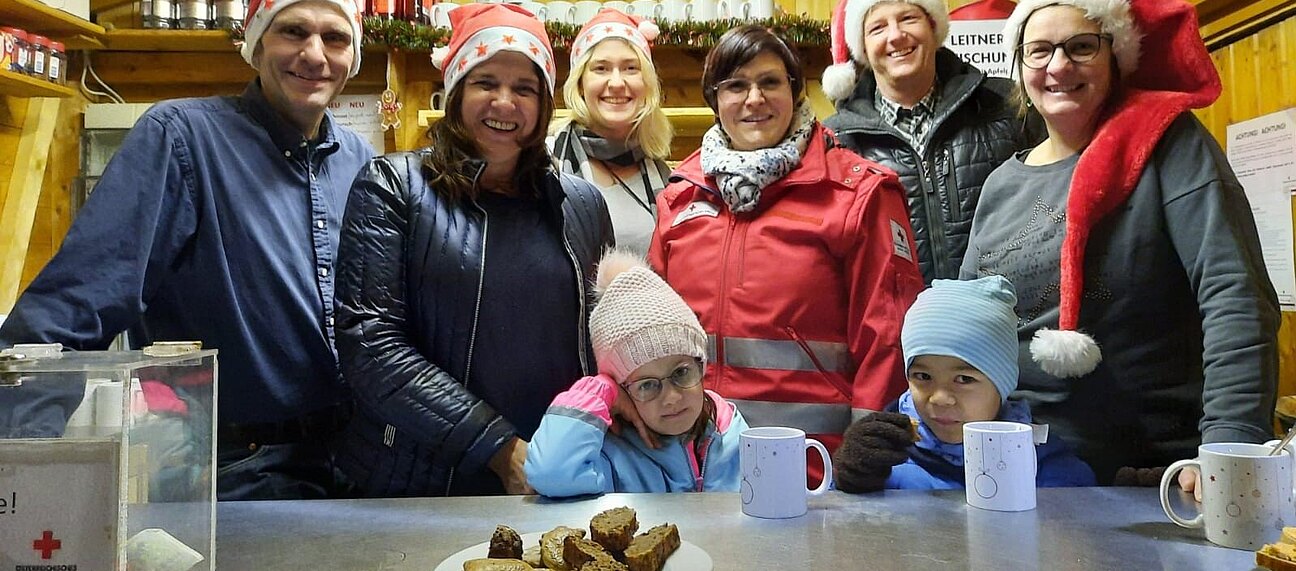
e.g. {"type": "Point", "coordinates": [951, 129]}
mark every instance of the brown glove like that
{"type": "Point", "coordinates": [1138, 477]}
{"type": "Point", "coordinates": [869, 449]}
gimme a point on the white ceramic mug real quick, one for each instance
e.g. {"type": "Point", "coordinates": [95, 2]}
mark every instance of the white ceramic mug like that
{"type": "Point", "coordinates": [703, 10]}
{"type": "Point", "coordinates": [441, 13]}
{"type": "Point", "coordinates": [561, 11]}
{"type": "Point", "coordinates": [1246, 494]}
{"type": "Point", "coordinates": [773, 464]}
{"type": "Point", "coordinates": [586, 9]}
{"type": "Point", "coordinates": [1291, 449]}
{"type": "Point", "coordinates": [535, 8]}
{"type": "Point", "coordinates": [618, 5]}
{"type": "Point", "coordinates": [999, 465]}
{"type": "Point", "coordinates": [675, 10]}
{"type": "Point", "coordinates": [646, 9]}
{"type": "Point", "coordinates": [758, 9]}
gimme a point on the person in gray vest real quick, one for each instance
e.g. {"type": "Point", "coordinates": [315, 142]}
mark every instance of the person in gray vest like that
{"type": "Point", "coordinates": [914, 106]}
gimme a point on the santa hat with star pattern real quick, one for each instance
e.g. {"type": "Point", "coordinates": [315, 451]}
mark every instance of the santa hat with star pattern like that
{"type": "Point", "coordinates": [261, 12]}
{"type": "Point", "coordinates": [848, 40]}
{"type": "Point", "coordinates": [479, 31]}
{"type": "Point", "coordinates": [611, 23]}
{"type": "Point", "coordinates": [1174, 74]}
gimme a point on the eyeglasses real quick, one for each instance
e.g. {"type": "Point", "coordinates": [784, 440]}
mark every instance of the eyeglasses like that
{"type": "Point", "coordinates": [738, 87]}
{"type": "Point", "coordinates": [685, 376]}
{"type": "Point", "coordinates": [1079, 48]}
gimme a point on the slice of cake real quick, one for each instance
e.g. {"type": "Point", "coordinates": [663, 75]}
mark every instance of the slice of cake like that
{"type": "Point", "coordinates": [577, 552]}
{"type": "Point", "coordinates": [649, 550]}
{"type": "Point", "coordinates": [614, 528]}
{"type": "Point", "coordinates": [605, 565]}
{"type": "Point", "coordinates": [505, 544]}
{"type": "Point", "coordinates": [551, 546]}
{"type": "Point", "coordinates": [496, 565]}
{"type": "Point", "coordinates": [1279, 556]}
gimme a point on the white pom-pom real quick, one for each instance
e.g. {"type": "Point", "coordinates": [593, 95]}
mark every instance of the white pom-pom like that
{"type": "Point", "coordinates": [1064, 353]}
{"type": "Point", "coordinates": [649, 30]}
{"type": "Point", "coordinates": [439, 55]}
{"type": "Point", "coordinates": [839, 81]}
{"type": "Point", "coordinates": [613, 263]}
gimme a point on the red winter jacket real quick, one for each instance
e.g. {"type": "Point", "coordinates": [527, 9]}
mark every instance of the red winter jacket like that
{"type": "Point", "coordinates": [802, 298]}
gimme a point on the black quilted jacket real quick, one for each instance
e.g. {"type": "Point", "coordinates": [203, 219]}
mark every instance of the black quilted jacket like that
{"type": "Point", "coordinates": [408, 299]}
{"type": "Point", "coordinates": [975, 128]}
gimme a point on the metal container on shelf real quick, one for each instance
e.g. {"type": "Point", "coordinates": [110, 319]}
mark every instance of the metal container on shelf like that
{"type": "Point", "coordinates": [157, 14]}
{"type": "Point", "coordinates": [229, 14]}
{"type": "Point", "coordinates": [108, 458]}
{"type": "Point", "coordinates": [194, 14]}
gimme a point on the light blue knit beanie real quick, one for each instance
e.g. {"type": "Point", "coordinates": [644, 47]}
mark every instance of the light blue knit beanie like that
{"type": "Point", "coordinates": [972, 320]}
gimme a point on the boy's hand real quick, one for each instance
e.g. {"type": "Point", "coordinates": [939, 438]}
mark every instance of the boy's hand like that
{"type": "Point", "coordinates": [869, 449]}
{"type": "Point", "coordinates": [624, 411]}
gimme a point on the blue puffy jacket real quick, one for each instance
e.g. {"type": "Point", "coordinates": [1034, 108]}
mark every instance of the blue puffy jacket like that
{"type": "Point", "coordinates": [935, 465]}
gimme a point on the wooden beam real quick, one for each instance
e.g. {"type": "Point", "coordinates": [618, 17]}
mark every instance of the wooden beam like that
{"type": "Point", "coordinates": [1226, 21]}
{"type": "Point", "coordinates": [19, 210]}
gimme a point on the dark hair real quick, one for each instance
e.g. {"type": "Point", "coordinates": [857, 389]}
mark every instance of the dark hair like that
{"type": "Point", "coordinates": [452, 146]}
{"type": "Point", "coordinates": [739, 46]}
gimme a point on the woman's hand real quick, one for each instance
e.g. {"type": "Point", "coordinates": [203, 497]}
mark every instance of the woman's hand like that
{"type": "Point", "coordinates": [624, 411]}
{"type": "Point", "coordinates": [507, 464]}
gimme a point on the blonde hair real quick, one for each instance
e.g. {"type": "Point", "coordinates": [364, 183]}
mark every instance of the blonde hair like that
{"type": "Point", "coordinates": [650, 127]}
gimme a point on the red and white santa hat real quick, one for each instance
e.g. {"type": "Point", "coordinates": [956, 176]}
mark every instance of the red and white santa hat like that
{"type": "Point", "coordinates": [261, 12]}
{"type": "Point", "coordinates": [479, 31]}
{"type": "Point", "coordinates": [848, 40]}
{"type": "Point", "coordinates": [612, 23]}
{"type": "Point", "coordinates": [1113, 17]}
{"type": "Point", "coordinates": [1175, 74]}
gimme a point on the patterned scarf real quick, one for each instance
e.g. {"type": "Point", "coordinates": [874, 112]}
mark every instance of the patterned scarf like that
{"type": "Point", "coordinates": [742, 174]}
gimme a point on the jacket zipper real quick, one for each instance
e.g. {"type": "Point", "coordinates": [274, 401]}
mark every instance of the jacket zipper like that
{"type": "Point", "coordinates": [580, 303]}
{"type": "Point", "coordinates": [801, 342]}
{"type": "Point", "coordinates": [697, 458]}
{"type": "Point", "coordinates": [472, 337]}
{"type": "Point", "coordinates": [935, 224]}
{"type": "Point", "coordinates": [721, 368]}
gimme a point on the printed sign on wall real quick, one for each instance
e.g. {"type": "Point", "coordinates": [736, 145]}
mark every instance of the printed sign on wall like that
{"type": "Point", "coordinates": [980, 43]}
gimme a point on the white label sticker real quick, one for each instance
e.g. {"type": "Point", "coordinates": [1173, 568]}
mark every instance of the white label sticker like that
{"type": "Point", "coordinates": [58, 504]}
{"type": "Point", "coordinates": [900, 240]}
{"type": "Point", "coordinates": [694, 210]}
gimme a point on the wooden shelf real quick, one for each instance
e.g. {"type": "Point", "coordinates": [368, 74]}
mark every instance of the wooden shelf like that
{"type": "Point", "coordinates": [36, 17]}
{"type": "Point", "coordinates": [19, 85]}
{"type": "Point", "coordinates": [167, 41]}
{"type": "Point", "coordinates": [688, 121]}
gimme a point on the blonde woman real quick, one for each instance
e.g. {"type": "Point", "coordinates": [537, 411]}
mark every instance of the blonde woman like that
{"type": "Point", "coordinates": [618, 137]}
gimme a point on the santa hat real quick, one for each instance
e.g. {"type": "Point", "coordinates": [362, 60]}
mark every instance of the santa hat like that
{"type": "Point", "coordinates": [1113, 17]}
{"type": "Point", "coordinates": [1175, 74]}
{"type": "Point", "coordinates": [848, 40]}
{"type": "Point", "coordinates": [639, 318]}
{"type": "Point", "coordinates": [479, 31]}
{"type": "Point", "coordinates": [612, 23]}
{"type": "Point", "coordinates": [971, 320]}
{"type": "Point", "coordinates": [261, 12]}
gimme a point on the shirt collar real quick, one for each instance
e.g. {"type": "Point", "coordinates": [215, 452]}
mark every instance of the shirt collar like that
{"type": "Point", "coordinates": [890, 110]}
{"type": "Point", "coordinates": [285, 136]}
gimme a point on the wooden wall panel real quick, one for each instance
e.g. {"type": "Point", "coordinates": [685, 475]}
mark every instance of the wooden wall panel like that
{"type": "Point", "coordinates": [1259, 77]}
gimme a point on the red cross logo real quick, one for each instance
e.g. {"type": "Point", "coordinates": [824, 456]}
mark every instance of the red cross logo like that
{"type": "Point", "coordinates": [47, 545]}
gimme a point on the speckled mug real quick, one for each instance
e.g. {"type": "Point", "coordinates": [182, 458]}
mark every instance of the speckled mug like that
{"type": "Point", "coordinates": [1246, 494]}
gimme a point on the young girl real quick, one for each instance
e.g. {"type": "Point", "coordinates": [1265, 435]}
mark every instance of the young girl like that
{"type": "Point", "coordinates": [960, 350]}
{"type": "Point", "coordinates": [651, 353]}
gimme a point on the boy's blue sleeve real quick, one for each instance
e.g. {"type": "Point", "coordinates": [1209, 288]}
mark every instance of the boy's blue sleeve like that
{"type": "Point", "coordinates": [911, 476]}
{"type": "Point", "coordinates": [1059, 467]}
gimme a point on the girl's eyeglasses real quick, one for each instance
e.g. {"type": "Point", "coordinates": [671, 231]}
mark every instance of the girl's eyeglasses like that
{"type": "Point", "coordinates": [686, 376]}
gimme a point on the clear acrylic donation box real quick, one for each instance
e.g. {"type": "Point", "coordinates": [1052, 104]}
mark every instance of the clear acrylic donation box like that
{"type": "Point", "coordinates": [106, 459]}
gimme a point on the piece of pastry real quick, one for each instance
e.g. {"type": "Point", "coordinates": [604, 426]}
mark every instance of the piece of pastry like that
{"type": "Point", "coordinates": [605, 565]}
{"type": "Point", "coordinates": [913, 430]}
{"type": "Point", "coordinates": [578, 551]}
{"type": "Point", "coordinates": [614, 528]}
{"type": "Point", "coordinates": [496, 565]}
{"type": "Point", "coordinates": [551, 546]}
{"type": "Point", "coordinates": [532, 556]}
{"type": "Point", "coordinates": [1279, 556]}
{"type": "Point", "coordinates": [649, 550]}
{"type": "Point", "coordinates": [505, 544]}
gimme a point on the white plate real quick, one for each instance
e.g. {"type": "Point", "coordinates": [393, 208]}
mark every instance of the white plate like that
{"type": "Point", "coordinates": [688, 557]}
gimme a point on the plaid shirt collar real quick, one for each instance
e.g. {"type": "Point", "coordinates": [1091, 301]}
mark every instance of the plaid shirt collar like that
{"type": "Point", "coordinates": [912, 123]}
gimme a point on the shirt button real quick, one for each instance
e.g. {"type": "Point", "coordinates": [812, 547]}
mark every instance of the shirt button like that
{"type": "Point", "coordinates": [303, 144]}
{"type": "Point", "coordinates": [323, 272]}
{"type": "Point", "coordinates": [288, 154]}
{"type": "Point", "coordinates": [320, 224]}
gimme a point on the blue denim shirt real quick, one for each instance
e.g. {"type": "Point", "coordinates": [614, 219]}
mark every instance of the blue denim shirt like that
{"type": "Point", "coordinates": [216, 221]}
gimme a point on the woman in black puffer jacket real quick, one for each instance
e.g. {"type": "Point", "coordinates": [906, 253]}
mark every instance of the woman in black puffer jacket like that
{"type": "Point", "coordinates": [462, 269]}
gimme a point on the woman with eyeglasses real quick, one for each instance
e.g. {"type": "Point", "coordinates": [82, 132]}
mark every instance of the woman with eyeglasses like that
{"type": "Point", "coordinates": [618, 137]}
{"type": "Point", "coordinates": [795, 252]}
{"type": "Point", "coordinates": [1147, 321]}
{"type": "Point", "coordinates": [651, 352]}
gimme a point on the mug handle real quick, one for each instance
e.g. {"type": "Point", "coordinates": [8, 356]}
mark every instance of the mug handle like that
{"type": "Point", "coordinates": [828, 468]}
{"type": "Point", "coordinates": [1170, 472]}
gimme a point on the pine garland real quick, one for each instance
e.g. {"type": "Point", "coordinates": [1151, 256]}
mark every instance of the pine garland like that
{"type": "Point", "coordinates": [794, 29]}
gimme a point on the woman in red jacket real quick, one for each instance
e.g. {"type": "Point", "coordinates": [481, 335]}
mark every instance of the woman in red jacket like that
{"type": "Point", "coordinates": [796, 253]}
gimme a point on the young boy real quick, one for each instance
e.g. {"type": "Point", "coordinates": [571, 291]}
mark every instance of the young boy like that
{"type": "Point", "coordinates": [651, 352]}
{"type": "Point", "coordinates": [960, 349]}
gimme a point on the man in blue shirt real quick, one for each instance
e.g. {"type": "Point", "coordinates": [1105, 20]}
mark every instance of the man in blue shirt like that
{"type": "Point", "coordinates": [218, 221]}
